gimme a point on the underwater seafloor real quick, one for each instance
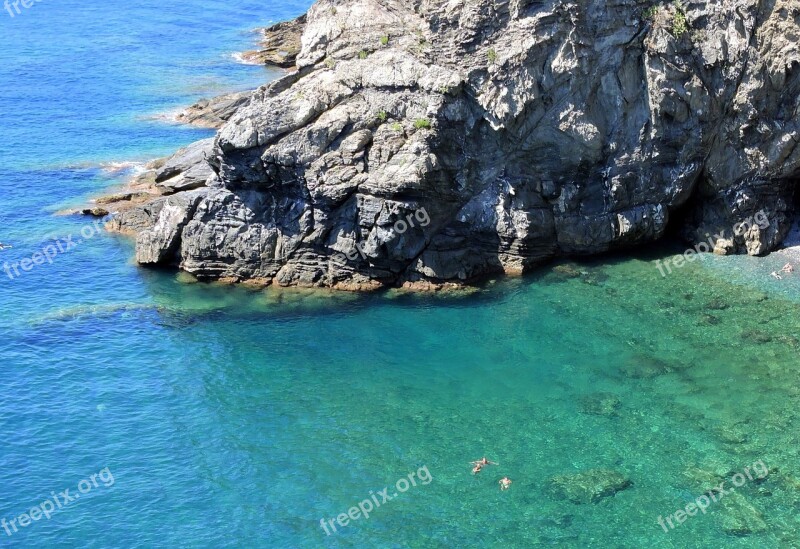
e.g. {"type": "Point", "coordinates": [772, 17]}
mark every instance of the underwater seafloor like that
{"type": "Point", "coordinates": [237, 417]}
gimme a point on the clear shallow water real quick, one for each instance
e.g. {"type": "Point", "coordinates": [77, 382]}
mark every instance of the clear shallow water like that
{"type": "Point", "coordinates": [240, 418]}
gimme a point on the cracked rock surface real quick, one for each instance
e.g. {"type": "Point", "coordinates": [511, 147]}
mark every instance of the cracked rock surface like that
{"type": "Point", "coordinates": [426, 141]}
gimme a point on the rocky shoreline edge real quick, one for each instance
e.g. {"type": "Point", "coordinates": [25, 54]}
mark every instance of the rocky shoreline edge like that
{"type": "Point", "coordinates": [392, 112]}
{"type": "Point", "coordinates": [134, 205]}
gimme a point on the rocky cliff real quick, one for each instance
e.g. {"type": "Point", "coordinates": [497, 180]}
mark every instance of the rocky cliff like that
{"type": "Point", "coordinates": [425, 141]}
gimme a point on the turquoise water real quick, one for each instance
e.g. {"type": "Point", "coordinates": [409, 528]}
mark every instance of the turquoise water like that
{"type": "Point", "coordinates": [239, 418]}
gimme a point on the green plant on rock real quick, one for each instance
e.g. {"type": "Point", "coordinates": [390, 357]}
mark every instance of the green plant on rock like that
{"type": "Point", "coordinates": [422, 123]}
{"type": "Point", "coordinates": [382, 116]}
{"type": "Point", "coordinates": [330, 63]}
{"type": "Point", "coordinates": [397, 127]}
{"type": "Point", "coordinates": [362, 54]}
{"type": "Point", "coordinates": [384, 40]}
{"type": "Point", "coordinates": [419, 46]}
{"type": "Point", "coordinates": [491, 55]}
{"type": "Point", "coordinates": [680, 23]}
{"type": "Point", "coordinates": [651, 12]}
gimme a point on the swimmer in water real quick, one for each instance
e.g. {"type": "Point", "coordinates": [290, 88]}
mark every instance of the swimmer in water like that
{"type": "Point", "coordinates": [477, 468]}
{"type": "Point", "coordinates": [505, 483]}
{"type": "Point", "coordinates": [483, 461]}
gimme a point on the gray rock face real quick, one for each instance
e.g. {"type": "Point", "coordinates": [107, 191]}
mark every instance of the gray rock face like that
{"type": "Point", "coordinates": [213, 113]}
{"type": "Point", "coordinates": [158, 243]}
{"type": "Point", "coordinates": [521, 131]}
{"type": "Point", "coordinates": [280, 44]}
{"type": "Point", "coordinates": [187, 169]}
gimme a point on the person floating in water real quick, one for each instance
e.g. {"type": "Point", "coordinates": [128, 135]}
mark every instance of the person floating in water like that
{"type": "Point", "coordinates": [505, 483]}
{"type": "Point", "coordinates": [788, 269]}
{"type": "Point", "coordinates": [480, 464]}
{"type": "Point", "coordinates": [5, 246]}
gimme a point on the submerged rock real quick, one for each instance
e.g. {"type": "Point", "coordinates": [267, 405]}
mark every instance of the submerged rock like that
{"type": "Point", "coordinates": [739, 517]}
{"type": "Point", "coordinates": [756, 336]}
{"type": "Point", "coordinates": [790, 341]}
{"type": "Point", "coordinates": [702, 478]}
{"type": "Point", "coordinates": [717, 304]}
{"type": "Point", "coordinates": [566, 271]}
{"type": "Point", "coordinates": [709, 320]}
{"type": "Point", "coordinates": [421, 143]}
{"type": "Point", "coordinates": [734, 434]}
{"type": "Point", "coordinates": [645, 367]}
{"type": "Point", "coordinates": [600, 404]}
{"type": "Point", "coordinates": [589, 486]}
{"type": "Point", "coordinates": [595, 278]}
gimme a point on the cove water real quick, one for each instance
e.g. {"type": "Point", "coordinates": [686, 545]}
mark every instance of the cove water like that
{"type": "Point", "coordinates": [190, 415]}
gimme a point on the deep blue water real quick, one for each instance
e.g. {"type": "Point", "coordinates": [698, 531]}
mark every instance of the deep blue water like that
{"type": "Point", "coordinates": [239, 418]}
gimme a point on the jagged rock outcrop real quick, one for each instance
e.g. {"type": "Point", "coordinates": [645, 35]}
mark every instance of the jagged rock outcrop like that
{"type": "Point", "coordinates": [430, 141]}
{"type": "Point", "coordinates": [280, 44]}
{"type": "Point", "coordinates": [213, 113]}
{"type": "Point", "coordinates": [187, 169]}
